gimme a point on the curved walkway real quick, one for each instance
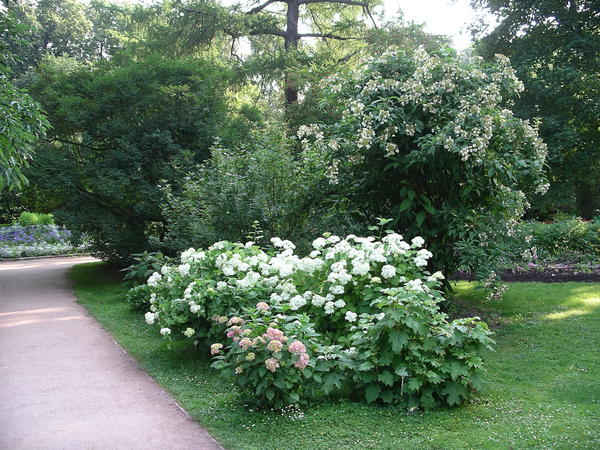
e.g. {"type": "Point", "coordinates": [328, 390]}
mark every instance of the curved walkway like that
{"type": "Point", "coordinates": [65, 384]}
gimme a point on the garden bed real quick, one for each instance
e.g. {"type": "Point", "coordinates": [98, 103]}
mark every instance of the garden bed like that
{"type": "Point", "coordinates": [552, 273]}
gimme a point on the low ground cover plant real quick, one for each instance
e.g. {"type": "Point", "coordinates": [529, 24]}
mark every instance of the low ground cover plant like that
{"type": "Point", "coordinates": [358, 317]}
{"type": "Point", "coordinates": [38, 240]}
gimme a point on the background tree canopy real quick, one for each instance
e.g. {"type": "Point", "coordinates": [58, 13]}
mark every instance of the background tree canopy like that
{"type": "Point", "coordinates": [555, 47]}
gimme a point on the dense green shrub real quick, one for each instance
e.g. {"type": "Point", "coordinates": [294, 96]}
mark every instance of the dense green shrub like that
{"type": "Point", "coordinates": [118, 133]}
{"type": "Point", "coordinates": [28, 218]}
{"type": "Point", "coordinates": [429, 140]}
{"type": "Point", "coordinates": [562, 239]}
{"type": "Point", "coordinates": [358, 317]}
{"type": "Point", "coordinates": [258, 185]}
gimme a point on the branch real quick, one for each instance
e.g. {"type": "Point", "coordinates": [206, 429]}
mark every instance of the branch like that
{"type": "Point", "coordinates": [271, 32]}
{"type": "Point", "coordinates": [259, 8]}
{"type": "Point", "coordinates": [327, 36]}
{"type": "Point", "coordinates": [363, 5]}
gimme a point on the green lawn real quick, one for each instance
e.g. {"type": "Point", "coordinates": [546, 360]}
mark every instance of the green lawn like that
{"type": "Point", "coordinates": [542, 390]}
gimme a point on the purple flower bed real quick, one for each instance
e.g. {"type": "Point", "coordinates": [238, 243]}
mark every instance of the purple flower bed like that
{"type": "Point", "coordinates": [34, 234]}
{"type": "Point", "coordinates": [38, 240]}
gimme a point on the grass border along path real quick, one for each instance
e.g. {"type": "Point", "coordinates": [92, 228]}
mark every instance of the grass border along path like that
{"type": "Point", "coordinates": [542, 388]}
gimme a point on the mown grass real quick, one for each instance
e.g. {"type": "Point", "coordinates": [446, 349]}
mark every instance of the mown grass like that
{"type": "Point", "coordinates": [542, 389]}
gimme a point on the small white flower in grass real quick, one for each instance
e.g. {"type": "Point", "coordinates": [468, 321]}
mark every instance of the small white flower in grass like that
{"type": "Point", "coordinates": [351, 316]}
{"type": "Point", "coordinates": [417, 242]}
{"type": "Point", "coordinates": [149, 318]}
{"type": "Point", "coordinates": [165, 331]}
{"type": "Point", "coordinates": [388, 271]}
{"type": "Point", "coordinates": [184, 269]}
{"type": "Point", "coordinates": [189, 332]}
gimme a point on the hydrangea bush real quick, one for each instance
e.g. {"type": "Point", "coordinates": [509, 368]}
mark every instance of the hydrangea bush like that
{"type": "Point", "coordinates": [358, 317]}
{"type": "Point", "coordinates": [429, 139]}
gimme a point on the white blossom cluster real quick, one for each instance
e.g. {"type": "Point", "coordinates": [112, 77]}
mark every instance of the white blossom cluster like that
{"type": "Point", "coordinates": [336, 270]}
{"type": "Point", "coordinates": [455, 104]}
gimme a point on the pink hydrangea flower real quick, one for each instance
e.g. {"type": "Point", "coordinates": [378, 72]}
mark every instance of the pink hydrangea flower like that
{"type": "Point", "coordinates": [245, 343]}
{"type": "Point", "coordinates": [272, 364]}
{"type": "Point", "coordinates": [233, 331]}
{"type": "Point", "coordinates": [297, 347]}
{"type": "Point", "coordinates": [275, 346]}
{"type": "Point", "coordinates": [215, 349]}
{"type": "Point", "coordinates": [235, 321]}
{"type": "Point", "coordinates": [274, 334]}
{"type": "Point", "coordinates": [302, 361]}
{"type": "Point", "coordinates": [262, 306]}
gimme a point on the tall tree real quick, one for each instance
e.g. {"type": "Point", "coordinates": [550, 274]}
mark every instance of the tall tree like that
{"type": "Point", "coordinates": [555, 47]}
{"type": "Point", "coordinates": [340, 20]}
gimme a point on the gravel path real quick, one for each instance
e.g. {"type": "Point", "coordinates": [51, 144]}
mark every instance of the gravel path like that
{"type": "Point", "coordinates": [65, 384]}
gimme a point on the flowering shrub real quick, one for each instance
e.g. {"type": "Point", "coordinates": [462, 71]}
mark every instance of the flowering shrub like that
{"type": "Point", "coordinates": [358, 316]}
{"type": "Point", "coordinates": [430, 141]}
{"type": "Point", "coordinates": [37, 240]}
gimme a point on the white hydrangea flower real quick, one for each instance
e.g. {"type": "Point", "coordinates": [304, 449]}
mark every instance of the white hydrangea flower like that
{"type": "Point", "coordinates": [319, 243]}
{"type": "Point", "coordinates": [388, 271]}
{"type": "Point", "coordinates": [339, 303]}
{"type": "Point", "coordinates": [336, 289]}
{"type": "Point", "coordinates": [154, 279]}
{"type": "Point", "coordinates": [221, 285]}
{"type": "Point", "coordinates": [318, 301]}
{"type": "Point", "coordinates": [418, 242]}
{"type": "Point", "coordinates": [194, 308]}
{"type": "Point", "coordinates": [297, 302]}
{"type": "Point", "coordinates": [351, 316]}
{"type": "Point", "coordinates": [184, 269]}
{"type": "Point", "coordinates": [149, 318]}
{"type": "Point", "coordinates": [189, 332]}
{"type": "Point", "coordinates": [165, 331]}
{"type": "Point", "coordinates": [329, 308]}
{"type": "Point", "coordinates": [438, 275]}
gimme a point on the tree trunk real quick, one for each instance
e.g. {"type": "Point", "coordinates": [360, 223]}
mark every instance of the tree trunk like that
{"type": "Point", "coordinates": [291, 44]}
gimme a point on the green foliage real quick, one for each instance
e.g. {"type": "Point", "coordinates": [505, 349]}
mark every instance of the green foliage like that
{"type": "Point", "coordinates": [555, 48]}
{"type": "Point", "coordinates": [144, 265]}
{"type": "Point", "coordinates": [28, 218]}
{"type": "Point", "coordinates": [428, 140]}
{"type": "Point", "coordinates": [21, 120]}
{"type": "Point", "coordinates": [119, 132]}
